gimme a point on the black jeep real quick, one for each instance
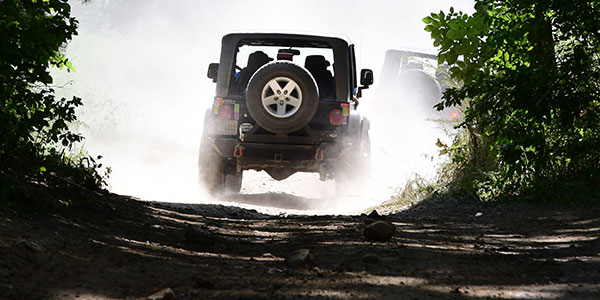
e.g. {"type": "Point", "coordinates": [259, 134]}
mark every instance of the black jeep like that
{"type": "Point", "coordinates": [290, 108]}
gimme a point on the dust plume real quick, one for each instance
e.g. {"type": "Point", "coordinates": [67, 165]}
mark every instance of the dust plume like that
{"type": "Point", "coordinates": [141, 71]}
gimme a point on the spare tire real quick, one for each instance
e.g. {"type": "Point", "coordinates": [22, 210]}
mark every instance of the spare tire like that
{"type": "Point", "coordinates": [282, 97]}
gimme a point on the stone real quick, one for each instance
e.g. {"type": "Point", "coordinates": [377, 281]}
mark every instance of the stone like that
{"type": "Point", "coordinates": [380, 231]}
{"type": "Point", "coordinates": [370, 258]}
{"type": "Point", "coordinates": [203, 283]}
{"type": "Point", "coordinates": [30, 245]}
{"type": "Point", "coordinates": [198, 235]}
{"type": "Point", "coordinates": [374, 215]}
{"type": "Point", "coordinates": [164, 294]}
{"type": "Point", "coordinates": [300, 258]}
{"type": "Point", "coordinates": [274, 270]}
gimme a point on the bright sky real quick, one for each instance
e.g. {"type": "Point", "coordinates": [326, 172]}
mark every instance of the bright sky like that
{"type": "Point", "coordinates": [374, 25]}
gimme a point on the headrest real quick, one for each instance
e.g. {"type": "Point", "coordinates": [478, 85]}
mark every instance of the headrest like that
{"type": "Point", "coordinates": [316, 61]}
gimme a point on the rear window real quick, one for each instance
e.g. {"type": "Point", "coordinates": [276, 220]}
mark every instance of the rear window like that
{"type": "Point", "coordinates": [318, 61]}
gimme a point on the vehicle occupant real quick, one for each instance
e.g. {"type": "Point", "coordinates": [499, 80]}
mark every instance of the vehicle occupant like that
{"type": "Point", "coordinates": [317, 66]}
{"type": "Point", "coordinates": [255, 60]}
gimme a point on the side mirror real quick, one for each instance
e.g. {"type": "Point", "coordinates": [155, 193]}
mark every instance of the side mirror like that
{"type": "Point", "coordinates": [366, 77]}
{"type": "Point", "coordinates": [213, 71]}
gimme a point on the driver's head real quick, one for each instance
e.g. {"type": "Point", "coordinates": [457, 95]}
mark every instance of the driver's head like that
{"type": "Point", "coordinates": [258, 58]}
{"type": "Point", "coordinates": [316, 63]}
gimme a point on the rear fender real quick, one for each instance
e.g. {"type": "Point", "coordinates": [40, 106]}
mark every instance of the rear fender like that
{"type": "Point", "coordinates": [354, 127]}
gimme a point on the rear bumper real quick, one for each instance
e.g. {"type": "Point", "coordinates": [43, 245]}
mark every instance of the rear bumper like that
{"type": "Point", "coordinates": [262, 156]}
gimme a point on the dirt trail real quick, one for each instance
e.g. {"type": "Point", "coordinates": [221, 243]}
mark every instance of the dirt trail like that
{"type": "Point", "coordinates": [122, 248]}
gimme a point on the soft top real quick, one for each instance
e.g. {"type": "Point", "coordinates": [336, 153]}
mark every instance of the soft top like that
{"type": "Point", "coordinates": [285, 40]}
{"type": "Point", "coordinates": [342, 53]}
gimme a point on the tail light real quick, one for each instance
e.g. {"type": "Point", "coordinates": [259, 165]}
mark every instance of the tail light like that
{"type": "Point", "coordinates": [336, 117]}
{"type": "Point", "coordinates": [345, 112]}
{"type": "Point", "coordinates": [285, 56]}
{"type": "Point", "coordinates": [225, 112]}
{"type": "Point", "coordinates": [216, 105]}
{"type": "Point", "coordinates": [345, 109]}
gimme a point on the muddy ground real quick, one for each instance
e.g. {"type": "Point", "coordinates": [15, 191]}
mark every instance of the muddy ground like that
{"type": "Point", "coordinates": [122, 248]}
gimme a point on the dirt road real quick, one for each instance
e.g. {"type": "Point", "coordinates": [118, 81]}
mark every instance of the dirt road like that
{"type": "Point", "coordinates": [122, 248]}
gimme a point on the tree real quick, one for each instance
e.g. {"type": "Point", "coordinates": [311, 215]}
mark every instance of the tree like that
{"type": "Point", "coordinates": [531, 77]}
{"type": "Point", "coordinates": [33, 123]}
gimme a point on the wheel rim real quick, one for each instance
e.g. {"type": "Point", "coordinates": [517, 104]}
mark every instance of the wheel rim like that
{"type": "Point", "coordinates": [281, 97]}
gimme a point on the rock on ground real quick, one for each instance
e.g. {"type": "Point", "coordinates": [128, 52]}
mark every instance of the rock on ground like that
{"type": "Point", "coordinates": [300, 258]}
{"type": "Point", "coordinates": [380, 231]}
{"type": "Point", "coordinates": [164, 294]}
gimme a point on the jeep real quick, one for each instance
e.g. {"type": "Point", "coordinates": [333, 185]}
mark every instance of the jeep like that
{"type": "Point", "coordinates": [284, 103]}
{"type": "Point", "coordinates": [413, 79]}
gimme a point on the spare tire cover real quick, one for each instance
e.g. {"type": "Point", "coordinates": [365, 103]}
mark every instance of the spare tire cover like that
{"type": "Point", "coordinates": [282, 97]}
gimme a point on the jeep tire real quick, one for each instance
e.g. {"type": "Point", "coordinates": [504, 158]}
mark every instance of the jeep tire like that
{"type": "Point", "coordinates": [282, 97]}
{"type": "Point", "coordinates": [356, 163]}
{"type": "Point", "coordinates": [213, 171]}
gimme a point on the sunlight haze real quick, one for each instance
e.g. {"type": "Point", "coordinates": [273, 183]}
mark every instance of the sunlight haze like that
{"type": "Point", "coordinates": [141, 71]}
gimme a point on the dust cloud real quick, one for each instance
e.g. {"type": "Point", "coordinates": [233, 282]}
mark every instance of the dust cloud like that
{"type": "Point", "coordinates": [141, 71]}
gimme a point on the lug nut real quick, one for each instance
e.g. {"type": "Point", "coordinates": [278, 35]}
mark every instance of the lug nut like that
{"type": "Point", "coordinates": [285, 92]}
{"type": "Point", "coordinates": [287, 99]}
{"type": "Point", "coordinates": [278, 92]}
{"type": "Point", "coordinates": [276, 98]}
{"type": "Point", "coordinates": [281, 103]}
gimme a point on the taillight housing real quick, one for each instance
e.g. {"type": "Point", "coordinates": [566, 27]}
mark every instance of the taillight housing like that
{"type": "Point", "coordinates": [216, 105]}
{"type": "Point", "coordinates": [225, 112]}
{"type": "Point", "coordinates": [336, 117]}
{"type": "Point", "coordinates": [345, 109]}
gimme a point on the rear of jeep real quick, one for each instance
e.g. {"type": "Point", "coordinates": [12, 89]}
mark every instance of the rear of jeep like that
{"type": "Point", "coordinates": [283, 104]}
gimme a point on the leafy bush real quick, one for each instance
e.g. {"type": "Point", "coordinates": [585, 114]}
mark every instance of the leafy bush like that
{"type": "Point", "coordinates": [36, 140]}
{"type": "Point", "coordinates": [531, 74]}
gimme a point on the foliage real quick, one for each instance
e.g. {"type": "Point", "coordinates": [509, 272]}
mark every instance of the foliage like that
{"type": "Point", "coordinates": [414, 191]}
{"type": "Point", "coordinates": [531, 75]}
{"type": "Point", "coordinates": [33, 123]}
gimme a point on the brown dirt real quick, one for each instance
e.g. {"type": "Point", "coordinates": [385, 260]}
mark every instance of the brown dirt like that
{"type": "Point", "coordinates": [122, 248]}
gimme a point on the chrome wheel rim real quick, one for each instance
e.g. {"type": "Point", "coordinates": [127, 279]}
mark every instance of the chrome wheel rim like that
{"type": "Point", "coordinates": [281, 97]}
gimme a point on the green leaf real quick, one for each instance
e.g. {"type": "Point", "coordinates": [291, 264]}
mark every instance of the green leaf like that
{"type": "Point", "coordinates": [446, 44]}
{"type": "Point", "coordinates": [441, 59]}
{"type": "Point", "coordinates": [454, 26]}
{"type": "Point", "coordinates": [46, 78]}
{"type": "Point", "coordinates": [458, 76]}
{"type": "Point", "coordinates": [451, 34]}
{"type": "Point", "coordinates": [429, 28]}
{"type": "Point", "coordinates": [440, 144]}
{"type": "Point", "coordinates": [427, 20]}
{"type": "Point", "coordinates": [451, 58]}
